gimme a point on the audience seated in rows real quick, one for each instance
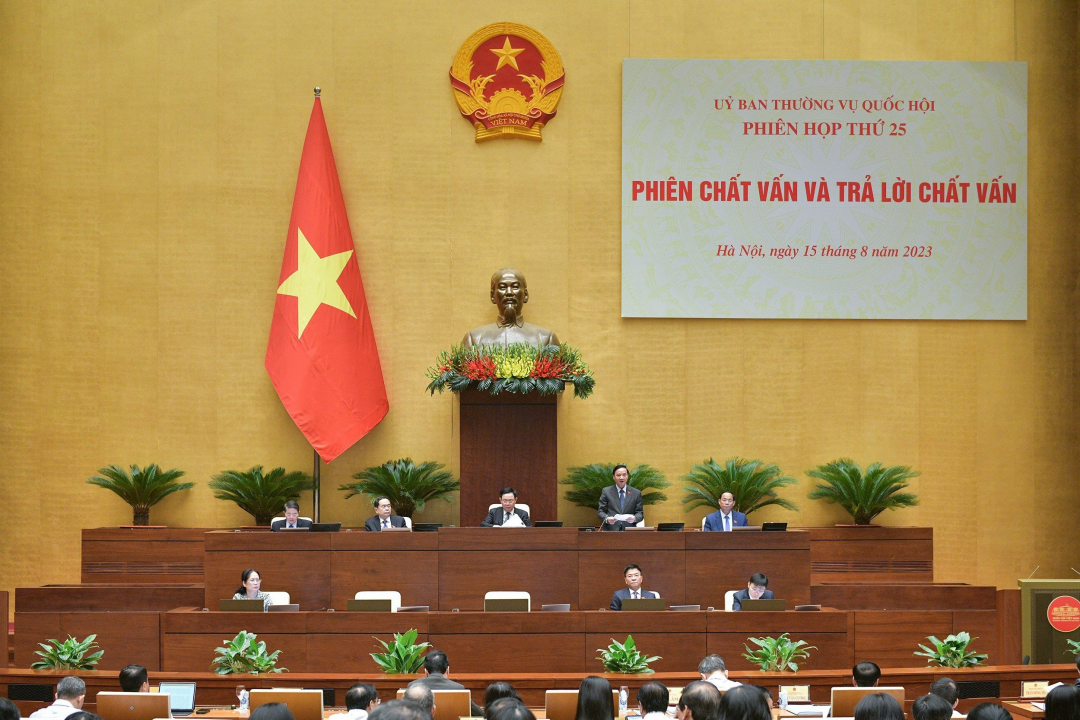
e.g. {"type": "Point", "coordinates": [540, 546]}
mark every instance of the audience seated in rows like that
{"type": "Point", "coordinates": [594, 700]}
{"type": "Point", "coordinates": [360, 700]}
{"type": "Point", "coordinates": [865, 674]}
{"type": "Point", "coordinates": [272, 711]}
{"type": "Point", "coordinates": [422, 696]}
{"type": "Point", "coordinates": [498, 691]}
{"type": "Point", "coordinates": [8, 710]}
{"type": "Point", "coordinates": [1063, 703]}
{"type": "Point", "coordinates": [436, 671]}
{"type": "Point", "coordinates": [878, 706]}
{"type": "Point", "coordinates": [931, 707]}
{"type": "Point", "coordinates": [713, 670]}
{"type": "Point", "coordinates": [652, 698]}
{"type": "Point", "coordinates": [700, 700]}
{"type": "Point", "coordinates": [134, 679]}
{"type": "Point", "coordinates": [70, 695]}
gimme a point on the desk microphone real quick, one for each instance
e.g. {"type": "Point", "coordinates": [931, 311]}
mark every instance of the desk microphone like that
{"type": "Point", "coordinates": [1035, 571]}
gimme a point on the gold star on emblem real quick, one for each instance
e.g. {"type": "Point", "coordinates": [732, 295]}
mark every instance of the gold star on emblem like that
{"type": "Point", "coordinates": [508, 55]}
{"type": "Point", "coordinates": [315, 282]}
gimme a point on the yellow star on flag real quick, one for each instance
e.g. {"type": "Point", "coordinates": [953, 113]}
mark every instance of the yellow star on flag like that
{"type": "Point", "coordinates": [508, 55]}
{"type": "Point", "coordinates": [315, 282]}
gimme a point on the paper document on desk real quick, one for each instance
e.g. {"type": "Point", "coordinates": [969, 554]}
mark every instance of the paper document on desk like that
{"type": "Point", "coordinates": [513, 521]}
{"type": "Point", "coordinates": [626, 518]}
{"type": "Point", "coordinates": [808, 710]}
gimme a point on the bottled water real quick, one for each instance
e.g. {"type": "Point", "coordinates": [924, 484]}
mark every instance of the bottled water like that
{"type": "Point", "coordinates": [624, 697]}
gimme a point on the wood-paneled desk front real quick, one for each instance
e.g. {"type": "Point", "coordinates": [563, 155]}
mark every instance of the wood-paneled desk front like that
{"type": "Point", "coordinates": [454, 568]}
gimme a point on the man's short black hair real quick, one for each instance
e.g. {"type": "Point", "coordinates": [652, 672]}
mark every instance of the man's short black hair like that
{"type": "Point", "coordinates": [931, 707]}
{"type": "Point", "coordinates": [360, 696]}
{"type": "Point", "coordinates": [292, 505]}
{"type": "Point", "coordinates": [379, 499]}
{"type": "Point", "coordinates": [759, 579]}
{"type": "Point", "coordinates": [83, 715]}
{"type": "Point", "coordinates": [616, 468]}
{"type": "Point", "coordinates": [866, 674]}
{"type": "Point", "coordinates": [8, 710]}
{"type": "Point", "coordinates": [272, 711]}
{"type": "Point", "coordinates": [630, 567]}
{"type": "Point", "coordinates": [132, 678]}
{"type": "Point", "coordinates": [702, 698]}
{"type": "Point", "coordinates": [436, 662]}
{"type": "Point", "coordinates": [989, 711]}
{"type": "Point", "coordinates": [508, 490]}
{"type": "Point", "coordinates": [879, 706]}
{"type": "Point", "coordinates": [653, 697]}
{"type": "Point", "coordinates": [398, 710]}
{"type": "Point", "coordinates": [946, 689]}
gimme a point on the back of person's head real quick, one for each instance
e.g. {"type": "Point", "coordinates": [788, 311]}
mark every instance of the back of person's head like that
{"type": "Point", "coordinates": [399, 710]}
{"type": "Point", "coordinates": [360, 696]}
{"type": "Point", "coordinates": [421, 695]}
{"type": "Point", "coordinates": [989, 711]}
{"type": "Point", "coordinates": [653, 697]}
{"type": "Point", "coordinates": [132, 678]}
{"type": "Point", "coordinates": [1063, 703]}
{"type": "Point", "coordinates": [866, 674]}
{"type": "Point", "coordinates": [931, 707]}
{"type": "Point", "coordinates": [436, 662]}
{"type": "Point", "coordinates": [272, 711]}
{"type": "Point", "coordinates": [70, 688]}
{"type": "Point", "coordinates": [83, 715]}
{"type": "Point", "coordinates": [9, 710]}
{"type": "Point", "coordinates": [879, 706]}
{"type": "Point", "coordinates": [498, 691]}
{"type": "Point", "coordinates": [509, 709]}
{"type": "Point", "coordinates": [703, 700]}
{"type": "Point", "coordinates": [946, 689]}
{"type": "Point", "coordinates": [594, 700]}
{"type": "Point", "coordinates": [710, 664]}
{"type": "Point", "coordinates": [744, 702]}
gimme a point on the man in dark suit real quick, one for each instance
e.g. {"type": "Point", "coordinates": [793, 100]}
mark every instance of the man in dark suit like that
{"type": "Point", "coordinates": [756, 589]}
{"type": "Point", "coordinates": [726, 518]}
{"type": "Point", "coordinates": [505, 514]}
{"type": "Point", "coordinates": [436, 667]}
{"type": "Point", "coordinates": [620, 505]}
{"type": "Point", "coordinates": [384, 516]}
{"type": "Point", "coordinates": [634, 578]}
{"type": "Point", "coordinates": [292, 519]}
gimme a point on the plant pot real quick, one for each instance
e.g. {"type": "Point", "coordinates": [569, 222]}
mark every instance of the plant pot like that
{"type": "Point", "coordinates": [852, 525]}
{"type": "Point", "coordinates": [141, 517]}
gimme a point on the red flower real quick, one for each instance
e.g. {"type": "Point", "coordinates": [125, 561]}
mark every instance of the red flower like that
{"type": "Point", "coordinates": [482, 368]}
{"type": "Point", "coordinates": [549, 367]}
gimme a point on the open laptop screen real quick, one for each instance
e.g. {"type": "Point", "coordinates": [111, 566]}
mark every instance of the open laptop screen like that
{"type": "Point", "coordinates": [181, 696]}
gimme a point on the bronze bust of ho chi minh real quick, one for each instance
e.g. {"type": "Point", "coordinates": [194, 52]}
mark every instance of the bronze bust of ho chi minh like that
{"type": "Point", "coordinates": [509, 293]}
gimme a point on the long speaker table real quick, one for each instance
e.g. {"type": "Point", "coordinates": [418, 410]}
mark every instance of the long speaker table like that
{"type": "Point", "coordinates": [455, 567]}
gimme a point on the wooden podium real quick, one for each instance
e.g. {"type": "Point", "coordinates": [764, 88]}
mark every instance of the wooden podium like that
{"type": "Point", "coordinates": [508, 440]}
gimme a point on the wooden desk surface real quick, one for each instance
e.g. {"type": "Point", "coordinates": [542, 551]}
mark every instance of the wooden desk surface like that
{"type": "Point", "coordinates": [1020, 709]}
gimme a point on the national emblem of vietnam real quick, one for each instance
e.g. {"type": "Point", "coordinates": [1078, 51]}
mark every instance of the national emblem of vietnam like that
{"type": "Point", "coordinates": [507, 80]}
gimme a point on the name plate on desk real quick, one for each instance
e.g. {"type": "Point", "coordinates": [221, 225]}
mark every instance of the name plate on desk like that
{"type": "Point", "coordinates": [644, 604]}
{"type": "Point", "coordinates": [245, 605]}
{"type": "Point", "coordinates": [396, 529]}
{"type": "Point", "coordinates": [1034, 689]}
{"type": "Point", "coordinates": [379, 605]}
{"type": "Point", "coordinates": [796, 693]}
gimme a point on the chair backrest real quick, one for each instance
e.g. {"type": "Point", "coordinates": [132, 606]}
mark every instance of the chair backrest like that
{"type": "Point", "coordinates": [522, 506]}
{"type": "Point", "coordinates": [279, 597]}
{"type": "Point", "coordinates": [729, 600]}
{"type": "Point", "coordinates": [509, 595]}
{"type": "Point", "coordinates": [562, 704]}
{"type": "Point", "coordinates": [392, 595]}
{"type": "Point", "coordinates": [703, 521]}
{"type": "Point", "coordinates": [132, 706]}
{"type": "Point", "coordinates": [303, 704]}
{"type": "Point", "coordinates": [408, 522]}
{"type": "Point", "coordinates": [844, 699]}
{"type": "Point", "coordinates": [449, 704]}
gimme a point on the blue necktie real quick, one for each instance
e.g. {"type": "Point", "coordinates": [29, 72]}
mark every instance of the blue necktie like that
{"type": "Point", "coordinates": [727, 526]}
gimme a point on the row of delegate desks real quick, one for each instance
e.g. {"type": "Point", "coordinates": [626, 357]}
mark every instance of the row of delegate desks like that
{"type": "Point", "coordinates": [455, 567]}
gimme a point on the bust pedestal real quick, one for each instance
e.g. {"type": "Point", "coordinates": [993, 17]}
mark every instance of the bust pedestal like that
{"type": "Point", "coordinates": [508, 440]}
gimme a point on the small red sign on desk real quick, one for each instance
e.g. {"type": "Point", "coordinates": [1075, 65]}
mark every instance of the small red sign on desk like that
{"type": "Point", "coordinates": [1064, 613]}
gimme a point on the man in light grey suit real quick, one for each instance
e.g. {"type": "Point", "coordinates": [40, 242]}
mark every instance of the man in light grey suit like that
{"type": "Point", "coordinates": [620, 505]}
{"type": "Point", "coordinates": [634, 578]}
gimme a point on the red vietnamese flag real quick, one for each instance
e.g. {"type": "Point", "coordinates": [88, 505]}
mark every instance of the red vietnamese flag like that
{"type": "Point", "coordinates": [321, 356]}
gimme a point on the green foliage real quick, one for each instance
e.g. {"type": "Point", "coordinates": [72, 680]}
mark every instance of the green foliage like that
{"type": "Point", "coordinates": [142, 488]}
{"type": "Point", "coordinates": [590, 480]}
{"type": "Point", "coordinates": [68, 655]}
{"type": "Point", "coordinates": [776, 654]}
{"type": "Point", "coordinates": [243, 655]}
{"type": "Point", "coordinates": [951, 652]}
{"type": "Point", "coordinates": [1074, 646]}
{"type": "Point", "coordinates": [751, 482]}
{"type": "Point", "coordinates": [403, 656]}
{"type": "Point", "coordinates": [863, 495]}
{"type": "Point", "coordinates": [261, 496]}
{"type": "Point", "coordinates": [409, 486]}
{"type": "Point", "coordinates": [625, 657]}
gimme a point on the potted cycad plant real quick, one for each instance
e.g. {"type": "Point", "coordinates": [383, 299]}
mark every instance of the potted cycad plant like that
{"type": "Point", "coordinates": [752, 483]}
{"type": "Point", "coordinates": [589, 481]}
{"type": "Point", "coordinates": [142, 488]}
{"type": "Point", "coordinates": [260, 495]}
{"type": "Point", "coordinates": [408, 486]}
{"type": "Point", "coordinates": [864, 495]}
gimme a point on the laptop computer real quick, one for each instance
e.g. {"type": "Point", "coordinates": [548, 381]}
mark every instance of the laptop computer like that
{"type": "Point", "coordinates": [670, 527]}
{"type": "Point", "coordinates": [291, 607]}
{"type": "Point", "coordinates": [548, 523]}
{"type": "Point", "coordinates": [763, 605]}
{"type": "Point", "coordinates": [181, 697]}
{"type": "Point", "coordinates": [325, 527]}
{"type": "Point", "coordinates": [243, 605]}
{"type": "Point", "coordinates": [644, 604]}
{"type": "Point", "coordinates": [555, 607]}
{"type": "Point", "coordinates": [132, 706]}
{"type": "Point", "coordinates": [303, 704]}
{"type": "Point", "coordinates": [426, 527]}
{"type": "Point", "coordinates": [773, 526]}
{"type": "Point", "coordinates": [371, 605]}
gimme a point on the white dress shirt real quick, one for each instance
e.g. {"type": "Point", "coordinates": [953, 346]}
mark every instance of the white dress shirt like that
{"type": "Point", "coordinates": [655, 716]}
{"type": "Point", "coordinates": [57, 711]}
{"type": "Point", "coordinates": [350, 715]}
{"type": "Point", "coordinates": [722, 683]}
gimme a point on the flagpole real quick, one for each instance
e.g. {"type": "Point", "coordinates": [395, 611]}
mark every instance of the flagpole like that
{"type": "Point", "coordinates": [315, 491]}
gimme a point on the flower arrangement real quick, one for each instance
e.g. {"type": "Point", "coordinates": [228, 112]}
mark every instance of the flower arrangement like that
{"type": "Point", "coordinates": [517, 368]}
